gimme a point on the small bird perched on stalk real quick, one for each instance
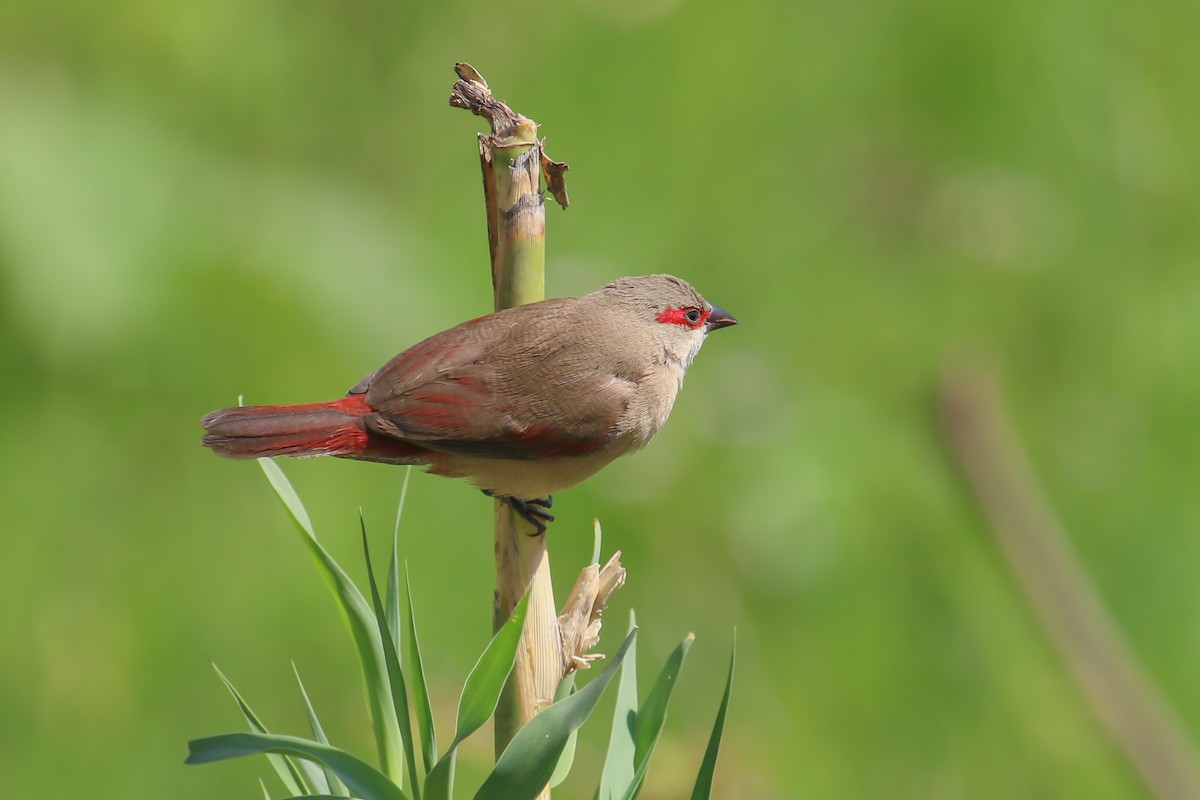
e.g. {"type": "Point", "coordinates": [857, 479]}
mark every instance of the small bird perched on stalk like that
{"type": "Point", "coordinates": [523, 403]}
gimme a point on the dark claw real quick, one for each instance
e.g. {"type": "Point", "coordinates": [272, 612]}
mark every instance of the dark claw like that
{"type": "Point", "coordinates": [532, 511]}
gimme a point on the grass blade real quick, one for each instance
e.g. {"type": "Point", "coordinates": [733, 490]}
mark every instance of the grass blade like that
{"type": "Point", "coordinates": [285, 768]}
{"type": "Point", "coordinates": [565, 761]}
{"type": "Point", "coordinates": [617, 777]}
{"type": "Point", "coordinates": [416, 670]}
{"type": "Point", "coordinates": [333, 784]}
{"type": "Point", "coordinates": [391, 660]}
{"type": "Point", "coordinates": [525, 766]}
{"type": "Point", "coordinates": [393, 578]}
{"type": "Point", "coordinates": [703, 788]}
{"type": "Point", "coordinates": [359, 620]}
{"type": "Point", "coordinates": [653, 714]}
{"type": "Point", "coordinates": [480, 694]}
{"type": "Point", "coordinates": [439, 783]}
{"type": "Point", "coordinates": [363, 780]}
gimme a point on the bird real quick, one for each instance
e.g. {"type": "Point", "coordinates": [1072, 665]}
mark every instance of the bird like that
{"type": "Point", "coordinates": [524, 402]}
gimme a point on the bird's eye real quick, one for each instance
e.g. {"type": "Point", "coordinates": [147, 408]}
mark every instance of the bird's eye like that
{"type": "Point", "coordinates": [689, 316]}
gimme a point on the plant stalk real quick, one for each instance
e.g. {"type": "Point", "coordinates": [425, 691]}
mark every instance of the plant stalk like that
{"type": "Point", "coordinates": [1140, 721]}
{"type": "Point", "coordinates": [513, 165]}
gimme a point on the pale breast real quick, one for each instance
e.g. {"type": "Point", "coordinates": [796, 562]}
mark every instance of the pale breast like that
{"type": "Point", "coordinates": [650, 405]}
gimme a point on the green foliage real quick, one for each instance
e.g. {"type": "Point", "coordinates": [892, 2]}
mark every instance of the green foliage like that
{"type": "Point", "coordinates": [363, 780]}
{"type": "Point", "coordinates": [567, 760]}
{"type": "Point", "coordinates": [423, 708]}
{"type": "Point", "coordinates": [618, 770]}
{"type": "Point", "coordinates": [480, 694]}
{"type": "Point", "coordinates": [528, 762]}
{"type": "Point", "coordinates": [708, 766]}
{"type": "Point", "coordinates": [284, 766]}
{"type": "Point", "coordinates": [332, 782]}
{"type": "Point", "coordinates": [653, 714]}
{"type": "Point", "coordinates": [314, 768]}
{"type": "Point", "coordinates": [395, 676]}
{"type": "Point", "coordinates": [362, 623]}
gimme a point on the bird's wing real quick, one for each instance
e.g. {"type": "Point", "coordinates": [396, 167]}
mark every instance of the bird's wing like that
{"type": "Point", "coordinates": [492, 388]}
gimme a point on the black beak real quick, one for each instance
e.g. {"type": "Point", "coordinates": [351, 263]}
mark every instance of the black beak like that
{"type": "Point", "coordinates": [718, 318]}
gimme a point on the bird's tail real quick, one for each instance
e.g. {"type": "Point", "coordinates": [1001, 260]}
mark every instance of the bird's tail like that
{"type": "Point", "coordinates": [300, 431]}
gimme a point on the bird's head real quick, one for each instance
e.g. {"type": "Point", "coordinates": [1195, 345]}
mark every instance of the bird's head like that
{"type": "Point", "coordinates": [671, 311]}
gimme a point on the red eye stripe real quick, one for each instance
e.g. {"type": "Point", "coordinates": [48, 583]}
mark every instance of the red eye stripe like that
{"type": "Point", "coordinates": [680, 316]}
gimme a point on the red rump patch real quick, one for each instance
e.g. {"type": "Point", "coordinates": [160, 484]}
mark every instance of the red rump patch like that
{"type": "Point", "coordinates": [346, 440]}
{"type": "Point", "coordinates": [349, 438]}
{"type": "Point", "coordinates": [680, 316]}
{"type": "Point", "coordinates": [350, 404]}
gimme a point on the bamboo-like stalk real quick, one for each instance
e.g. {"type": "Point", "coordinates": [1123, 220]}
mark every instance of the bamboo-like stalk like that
{"type": "Point", "coordinates": [513, 165]}
{"type": "Point", "coordinates": [1124, 698]}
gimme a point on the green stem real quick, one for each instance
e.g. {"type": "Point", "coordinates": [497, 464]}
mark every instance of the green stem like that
{"type": "Point", "coordinates": [513, 162]}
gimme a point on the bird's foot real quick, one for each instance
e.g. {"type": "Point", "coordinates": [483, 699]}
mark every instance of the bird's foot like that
{"type": "Point", "coordinates": [532, 511]}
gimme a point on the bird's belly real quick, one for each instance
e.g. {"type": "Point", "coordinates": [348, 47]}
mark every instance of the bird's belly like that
{"type": "Point", "coordinates": [528, 479]}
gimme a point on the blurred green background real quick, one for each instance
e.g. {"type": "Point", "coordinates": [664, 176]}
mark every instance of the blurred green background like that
{"type": "Point", "coordinates": [201, 200]}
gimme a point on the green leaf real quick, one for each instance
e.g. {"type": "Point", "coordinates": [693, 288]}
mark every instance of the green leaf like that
{"type": "Point", "coordinates": [391, 659]}
{"type": "Point", "coordinates": [617, 777]}
{"type": "Point", "coordinates": [563, 768]}
{"type": "Point", "coordinates": [363, 780]}
{"type": "Point", "coordinates": [439, 783]}
{"type": "Point", "coordinates": [393, 577]}
{"type": "Point", "coordinates": [333, 783]}
{"type": "Point", "coordinates": [525, 766]}
{"type": "Point", "coordinates": [359, 619]}
{"type": "Point", "coordinates": [480, 694]}
{"type": "Point", "coordinates": [392, 602]}
{"type": "Point", "coordinates": [703, 789]}
{"type": "Point", "coordinates": [284, 767]}
{"type": "Point", "coordinates": [421, 704]}
{"type": "Point", "coordinates": [653, 714]}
